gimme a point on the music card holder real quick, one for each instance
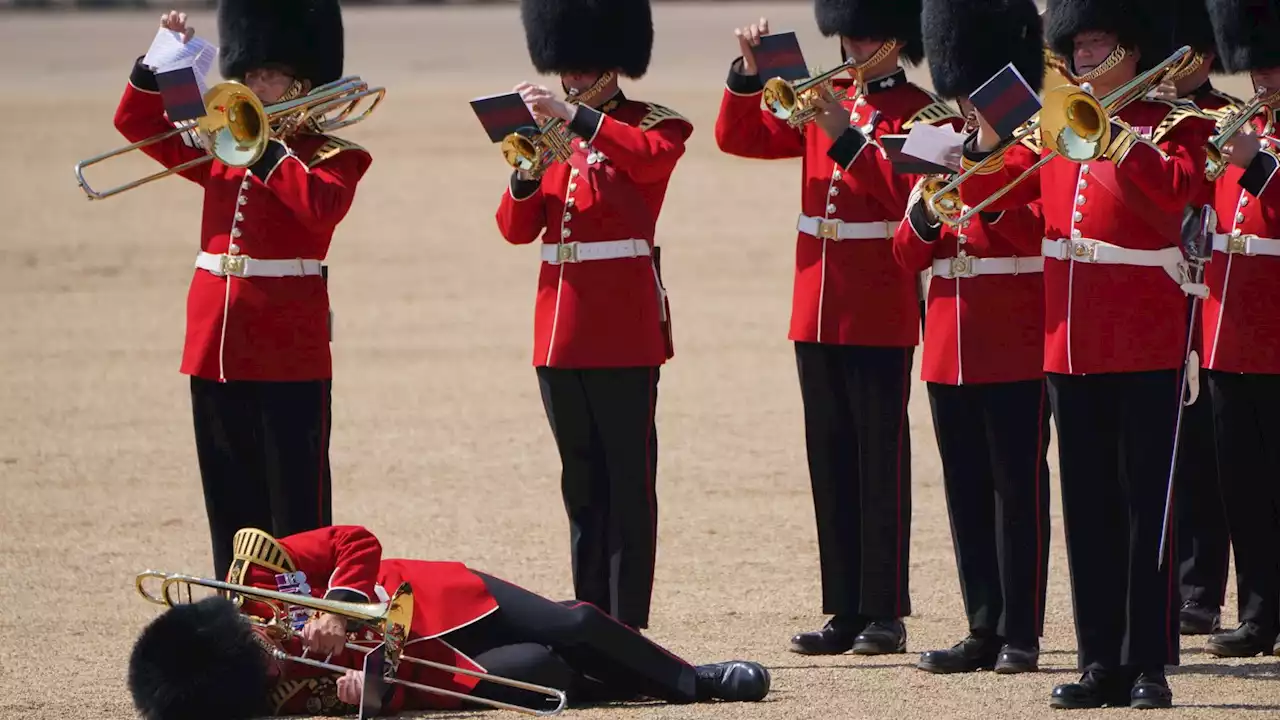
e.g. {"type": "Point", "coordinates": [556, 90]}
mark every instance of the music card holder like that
{"type": "Point", "coordinates": [182, 95]}
{"type": "Point", "coordinates": [1006, 101]}
{"type": "Point", "coordinates": [779, 55]}
{"type": "Point", "coordinates": [375, 685]}
{"type": "Point", "coordinates": [502, 114]}
{"type": "Point", "coordinates": [904, 164]}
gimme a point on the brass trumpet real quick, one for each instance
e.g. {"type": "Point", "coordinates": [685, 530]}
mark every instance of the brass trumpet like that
{"type": "Point", "coordinates": [391, 619]}
{"type": "Point", "coordinates": [532, 152]}
{"type": "Point", "coordinates": [1072, 122]}
{"type": "Point", "coordinates": [793, 102]}
{"type": "Point", "coordinates": [237, 127]}
{"type": "Point", "coordinates": [1215, 165]}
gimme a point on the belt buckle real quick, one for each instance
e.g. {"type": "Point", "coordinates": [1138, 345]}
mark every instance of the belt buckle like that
{"type": "Point", "coordinates": [1084, 251]}
{"type": "Point", "coordinates": [567, 252]}
{"type": "Point", "coordinates": [829, 229]}
{"type": "Point", "coordinates": [961, 266]}
{"type": "Point", "coordinates": [1238, 245]}
{"type": "Point", "coordinates": [232, 265]}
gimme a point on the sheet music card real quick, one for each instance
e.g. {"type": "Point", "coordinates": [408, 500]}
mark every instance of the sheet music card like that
{"type": "Point", "coordinates": [779, 55]}
{"type": "Point", "coordinates": [502, 114]}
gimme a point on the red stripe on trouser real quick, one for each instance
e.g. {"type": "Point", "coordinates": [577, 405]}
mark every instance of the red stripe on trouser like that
{"type": "Point", "coordinates": [1039, 525]}
{"type": "Point", "coordinates": [902, 428]}
{"type": "Point", "coordinates": [324, 452]}
{"type": "Point", "coordinates": [1169, 640]}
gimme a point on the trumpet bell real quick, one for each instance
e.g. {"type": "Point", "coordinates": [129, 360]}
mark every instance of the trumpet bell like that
{"type": "Point", "coordinates": [1074, 123]}
{"type": "Point", "coordinates": [780, 98]}
{"type": "Point", "coordinates": [236, 124]}
{"type": "Point", "coordinates": [520, 152]}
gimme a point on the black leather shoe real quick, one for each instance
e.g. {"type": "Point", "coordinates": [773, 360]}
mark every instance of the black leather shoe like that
{"type": "Point", "coordinates": [1198, 619]}
{"type": "Point", "coordinates": [1150, 690]}
{"type": "Point", "coordinates": [1014, 659]}
{"type": "Point", "coordinates": [834, 638]}
{"type": "Point", "coordinates": [1093, 690]}
{"type": "Point", "coordinates": [970, 654]}
{"type": "Point", "coordinates": [881, 637]}
{"type": "Point", "coordinates": [1245, 641]}
{"type": "Point", "coordinates": [735, 681]}
{"type": "Point", "coordinates": [1275, 650]}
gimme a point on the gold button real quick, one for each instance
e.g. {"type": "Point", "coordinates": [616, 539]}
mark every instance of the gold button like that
{"type": "Point", "coordinates": [573, 186]}
{"type": "Point", "coordinates": [235, 232]}
{"type": "Point", "coordinates": [831, 208]}
{"type": "Point", "coordinates": [565, 232]}
{"type": "Point", "coordinates": [1078, 216]}
{"type": "Point", "coordinates": [833, 191]}
{"type": "Point", "coordinates": [242, 200]}
{"type": "Point", "coordinates": [239, 216]}
{"type": "Point", "coordinates": [573, 172]}
{"type": "Point", "coordinates": [567, 217]}
{"type": "Point", "coordinates": [233, 249]}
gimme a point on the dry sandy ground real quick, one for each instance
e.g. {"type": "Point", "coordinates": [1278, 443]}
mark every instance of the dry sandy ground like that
{"type": "Point", "coordinates": [440, 445]}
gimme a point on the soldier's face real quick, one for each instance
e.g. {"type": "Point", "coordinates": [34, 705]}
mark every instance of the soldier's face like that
{"type": "Point", "coordinates": [269, 83]}
{"type": "Point", "coordinates": [1091, 49]}
{"type": "Point", "coordinates": [578, 81]}
{"type": "Point", "coordinates": [1268, 78]}
{"type": "Point", "coordinates": [860, 50]}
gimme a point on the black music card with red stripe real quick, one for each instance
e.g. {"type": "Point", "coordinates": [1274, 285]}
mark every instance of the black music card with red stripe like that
{"type": "Point", "coordinates": [779, 55]}
{"type": "Point", "coordinates": [1006, 101]}
{"type": "Point", "coordinates": [503, 114]}
{"type": "Point", "coordinates": [180, 90]}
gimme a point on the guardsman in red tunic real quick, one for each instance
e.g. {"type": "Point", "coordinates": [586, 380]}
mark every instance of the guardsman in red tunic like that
{"type": "Point", "coordinates": [257, 337]}
{"type": "Point", "coordinates": [1203, 540]}
{"type": "Point", "coordinates": [601, 323]}
{"type": "Point", "coordinates": [855, 316]}
{"type": "Point", "coordinates": [1242, 330]}
{"type": "Point", "coordinates": [1115, 341]}
{"type": "Point", "coordinates": [203, 661]}
{"type": "Point", "coordinates": [984, 359]}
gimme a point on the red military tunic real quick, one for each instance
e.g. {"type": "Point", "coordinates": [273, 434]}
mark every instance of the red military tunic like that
{"type": "Point", "coordinates": [1242, 313]}
{"type": "Point", "coordinates": [345, 562]}
{"type": "Point", "coordinates": [985, 316]}
{"type": "Point", "coordinates": [1105, 313]}
{"type": "Point", "coordinates": [847, 291]}
{"type": "Point", "coordinates": [256, 328]}
{"type": "Point", "coordinates": [592, 311]}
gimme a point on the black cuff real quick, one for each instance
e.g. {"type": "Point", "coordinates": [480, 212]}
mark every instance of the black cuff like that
{"type": "Point", "coordinates": [586, 123]}
{"type": "Point", "coordinates": [740, 84]}
{"type": "Point", "coordinates": [971, 151]}
{"type": "Point", "coordinates": [846, 147]}
{"type": "Point", "coordinates": [523, 189]}
{"type": "Point", "coordinates": [143, 77]}
{"type": "Point", "coordinates": [919, 219]}
{"type": "Point", "coordinates": [1259, 173]}
{"type": "Point", "coordinates": [271, 157]}
{"type": "Point", "coordinates": [990, 217]}
{"type": "Point", "coordinates": [344, 595]}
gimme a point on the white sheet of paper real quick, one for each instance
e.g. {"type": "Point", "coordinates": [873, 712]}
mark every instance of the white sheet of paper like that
{"type": "Point", "coordinates": [934, 144]}
{"type": "Point", "coordinates": [168, 52]}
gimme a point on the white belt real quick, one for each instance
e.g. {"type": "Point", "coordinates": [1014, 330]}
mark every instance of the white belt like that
{"type": "Point", "coordinates": [1245, 245]}
{"type": "Point", "coordinates": [967, 267]}
{"type": "Point", "coordinates": [572, 252]}
{"type": "Point", "coordinates": [1088, 250]}
{"type": "Point", "coordinates": [837, 230]}
{"type": "Point", "coordinates": [242, 266]}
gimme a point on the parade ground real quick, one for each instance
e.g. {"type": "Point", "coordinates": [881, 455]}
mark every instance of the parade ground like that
{"type": "Point", "coordinates": [440, 445]}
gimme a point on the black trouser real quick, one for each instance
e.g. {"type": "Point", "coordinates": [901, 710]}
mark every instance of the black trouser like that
{"type": "Point", "coordinates": [1249, 467]}
{"type": "Point", "coordinates": [264, 458]}
{"type": "Point", "coordinates": [571, 646]}
{"type": "Point", "coordinates": [994, 444]}
{"type": "Point", "coordinates": [1203, 540]}
{"type": "Point", "coordinates": [1115, 444]}
{"type": "Point", "coordinates": [603, 422]}
{"type": "Point", "coordinates": [859, 449]}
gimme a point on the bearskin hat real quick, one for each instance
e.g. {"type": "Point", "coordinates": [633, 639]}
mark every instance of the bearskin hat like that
{"type": "Point", "coordinates": [588, 36]}
{"type": "Point", "coordinates": [1010, 32]}
{"type": "Point", "coordinates": [305, 35]}
{"type": "Point", "coordinates": [874, 20]}
{"type": "Point", "coordinates": [199, 661]}
{"type": "Point", "coordinates": [1247, 33]}
{"type": "Point", "coordinates": [1142, 24]}
{"type": "Point", "coordinates": [1192, 27]}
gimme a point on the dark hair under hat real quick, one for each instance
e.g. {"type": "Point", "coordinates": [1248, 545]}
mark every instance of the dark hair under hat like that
{"type": "Point", "coordinates": [1247, 33]}
{"type": "Point", "coordinates": [199, 661]}
{"type": "Point", "coordinates": [585, 36]}
{"type": "Point", "coordinates": [874, 20]}
{"type": "Point", "coordinates": [1144, 25]}
{"type": "Point", "coordinates": [968, 41]}
{"type": "Point", "coordinates": [305, 35]}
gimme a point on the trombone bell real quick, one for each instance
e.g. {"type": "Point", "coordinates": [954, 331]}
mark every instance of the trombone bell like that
{"type": "Point", "coordinates": [1074, 123]}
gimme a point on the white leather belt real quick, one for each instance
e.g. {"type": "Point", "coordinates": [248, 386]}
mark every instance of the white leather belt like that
{"type": "Point", "coordinates": [1088, 250]}
{"type": "Point", "coordinates": [242, 266]}
{"type": "Point", "coordinates": [837, 230]}
{"type": "Point", "coordinates": [572, 252]}
{"type": "Point", "coordinates": [967, 267]}
{"type": "Point", "coordinates": [1245, 245]}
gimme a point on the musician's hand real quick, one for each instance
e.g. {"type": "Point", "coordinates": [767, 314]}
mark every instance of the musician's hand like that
{"type": "Point", "coordinates": [177, 22]}
{"type": "Point", "coordinates": [988, 138]}
{"type": "Point", "coordinates": [544, 104]}
{"type": "Point", "coordinates": [748, 38]}
{"type": "Point", "coordinates": [1164, 91]}
{"type": "Point", "coordinates": [1242, 149]}
{"type": "Point", "coordinates": [325, 634]}
{"type": "Point", "coordinates": [351, 687]}
{"type": "Point", "coordinates": [833, 117]}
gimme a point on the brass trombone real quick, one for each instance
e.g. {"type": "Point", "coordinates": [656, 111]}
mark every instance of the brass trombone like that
{"type": "Point", "coordinates": [1071, 121]}
{"type": "Point", "coordinates": [391, 619]}
{"type": "Point", "coordinates": [237, 127]}
{"type": "Point", "coordinates": [1228, 126]}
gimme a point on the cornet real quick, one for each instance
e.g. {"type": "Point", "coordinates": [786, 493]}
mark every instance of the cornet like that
{"type": "Point", "coordinates": [1228, 126]}
{"type": "Point", "coordinates": [391, 619]}
{"type": "Point", "coordinates": [1072, 122]}
{"type": "Point", "coordinates": [793, 102]}
{"type": "Point", "coordinates": [532, 152]}
{"type": "Point", "coordinates": [236, 127]}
